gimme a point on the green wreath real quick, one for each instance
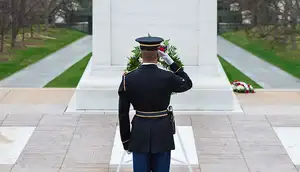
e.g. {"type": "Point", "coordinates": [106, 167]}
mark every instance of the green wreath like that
{"type": "Point", "coordinates": [135, 60]}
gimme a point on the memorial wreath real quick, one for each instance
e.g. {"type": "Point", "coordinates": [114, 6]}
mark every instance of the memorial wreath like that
{"type": "Point", "coordinates": [242, 87]}
{"type": "Point", "coordinates": [135, 60]}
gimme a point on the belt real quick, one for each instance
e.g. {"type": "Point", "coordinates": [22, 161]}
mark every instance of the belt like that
{"type": "Point", "coordinates": [155, 114]}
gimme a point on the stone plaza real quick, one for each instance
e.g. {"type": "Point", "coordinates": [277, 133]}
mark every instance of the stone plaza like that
{"type": "Point", "coordinates": [76, 130]}
{"type": "Point", "coordinates": [38, 135]}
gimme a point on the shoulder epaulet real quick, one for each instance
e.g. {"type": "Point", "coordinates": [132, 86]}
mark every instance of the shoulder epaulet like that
{"type": "Point", "coordinates": [124, 77]}
{"type": "Point", "coordinates": [128, 72]}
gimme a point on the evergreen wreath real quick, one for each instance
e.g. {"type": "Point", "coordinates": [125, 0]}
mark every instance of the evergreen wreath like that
{"type": "Point", "coordinates": [135, 60]}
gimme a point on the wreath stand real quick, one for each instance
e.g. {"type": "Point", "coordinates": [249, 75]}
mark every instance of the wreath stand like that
{"type": "Point", "coordinates": [174, 159]}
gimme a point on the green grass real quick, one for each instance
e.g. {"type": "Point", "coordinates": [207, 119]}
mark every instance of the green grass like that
{"type": "Point", "coordinates": [278, 55]}
{"type": "Point", "coordinates": [37, 49]}
{"type": "Point", "coordinates": [235, 74]}
{"type": "Point", "coordinates": [71, 77]}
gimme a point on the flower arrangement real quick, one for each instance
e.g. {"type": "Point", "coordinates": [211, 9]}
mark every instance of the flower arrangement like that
{"type": "Point", "coordinates": [135, 60]}
{"type": "Point", "coordinates": [242, 87]}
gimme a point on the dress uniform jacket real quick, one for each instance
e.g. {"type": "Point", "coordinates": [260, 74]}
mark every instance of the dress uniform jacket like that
{"type": "Point", "coordinates": [148, 89]}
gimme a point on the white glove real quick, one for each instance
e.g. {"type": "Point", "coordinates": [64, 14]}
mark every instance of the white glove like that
{"type": "Point", "coordinates": [165, 57]}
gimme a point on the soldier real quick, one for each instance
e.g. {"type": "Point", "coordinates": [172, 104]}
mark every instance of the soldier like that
{"type": "Point", "coordinates": [148, 89]}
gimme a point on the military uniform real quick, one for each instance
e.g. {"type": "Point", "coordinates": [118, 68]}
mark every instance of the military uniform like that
{"type": "Point", "coordinates": [148, 90]}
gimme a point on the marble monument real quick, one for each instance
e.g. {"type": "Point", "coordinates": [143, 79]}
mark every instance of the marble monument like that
{"type": "Point", "coordinates": [190, 25]}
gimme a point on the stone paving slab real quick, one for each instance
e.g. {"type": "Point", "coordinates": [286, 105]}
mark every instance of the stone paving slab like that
{"type": "Point", "coordinates": [75, 142]}
{"type": "Point", "coordinates": [22, 120]}
{"type": "Point", "coordinates": [38, 96]}
{"type": "Point", "coordinates": [284, 120]}
{"type": "Point", "coordinates": [63, 143]}
{"type": "Point", "coordinates": [103, 168]}
{"type": "Point", "coordinates": [3, 93]}
{"type": "Point", "coordinates": [271, 109]}
{"type": "Point", "coordinates": [2, 116]}
{"type": "Point", "coordinates": [224, 167]}
{"type": "Point", "coordinates": [32, 109]}
{"type": "Point", "coordinates": [270, 98]}
{"type": "Point", "coordinates": [5, 168]}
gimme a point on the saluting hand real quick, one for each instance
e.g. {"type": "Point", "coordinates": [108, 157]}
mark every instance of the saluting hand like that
{"type": "Point", "coordinates": [165, 57]}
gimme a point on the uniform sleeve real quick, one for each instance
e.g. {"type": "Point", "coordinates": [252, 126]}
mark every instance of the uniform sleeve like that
{"type": "Point", "coordinates": [181, 82]}
{"type": "Point", "coordinates": [124, 120]}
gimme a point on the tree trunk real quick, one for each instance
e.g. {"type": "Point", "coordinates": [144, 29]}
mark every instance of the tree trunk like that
{"type": "Point", "coordinates": [2, 34]}
{"type": "Point", "coordinates": [22, 19]}
{"type": "Point", "coordinates": [46, 15]}
{"type": "Point", "coordinates": [254, 16]}
{"type": "Point", "coordinates": [293, 37]}
{"type": "Point", "coordinates": [52, 24]}
{"type": "Point", "coordinates": [286, 23]}
{"type": "Point", "coordinates": [14, 23]}
{"type": "Point", "coordinates": [23, 36]}
{"type": "Point", "coordinates": [38, 28]}
{"type": "Point", "coordinates": [38, 24]}
{"type": "Point", "coordinates": [46, 24]}
{"type": "Point", "coordinates": [31, 30]}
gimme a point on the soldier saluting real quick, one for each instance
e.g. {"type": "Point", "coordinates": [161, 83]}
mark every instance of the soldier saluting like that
{"type": "Point", "coordinates": [148, 89]}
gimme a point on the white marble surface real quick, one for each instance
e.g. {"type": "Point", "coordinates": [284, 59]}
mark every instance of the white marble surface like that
{"type": "Point", "coordinates": [116, 25]}
{"type": "Point", "coordinates": [97, 90]}
{"type": "Point", "coordinates": [72, 108]}
{"type": "Point", "coordinates": [290, 138]}
{"type": "Point", "coordinates": [203, 77]}
{"type": "Point", "coordinates": [178, 158]}
{"type": "Point", "coordinates": [12, 142]}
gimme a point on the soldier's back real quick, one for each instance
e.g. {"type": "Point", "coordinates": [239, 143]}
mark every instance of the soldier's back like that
{"type": "Point", "coordinates": [149, 91]}
{"type": "Point", "coordinates": [149, 88]}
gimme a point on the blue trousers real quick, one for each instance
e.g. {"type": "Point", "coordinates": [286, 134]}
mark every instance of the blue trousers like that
{"type": "Point", "coordinates": [146, 162]}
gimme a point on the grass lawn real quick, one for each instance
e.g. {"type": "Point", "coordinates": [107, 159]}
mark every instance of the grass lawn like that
{"type": "Point", "coordinates": [71, 77]}
{"type": "Point", "coordinates": [234, 74]}
{"type": "Point", "coordinates": [36, 48]}
{"type": "Point", "coordinates": [280, 56]}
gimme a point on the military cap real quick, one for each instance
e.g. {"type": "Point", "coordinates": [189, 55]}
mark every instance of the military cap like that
{"type": "Point", "coordinates": [149, 42]}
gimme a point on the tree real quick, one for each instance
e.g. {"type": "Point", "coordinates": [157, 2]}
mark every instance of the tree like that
{"type": "Point", "coordinates": [16, 15]}
{"type": "Point", "coordinates": [3, 22]}
{"type": "Point", "coordinates": [276, 19]}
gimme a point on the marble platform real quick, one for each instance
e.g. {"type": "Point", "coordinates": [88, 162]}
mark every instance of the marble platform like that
{"type": "Point", "coordinates": [97, 91]}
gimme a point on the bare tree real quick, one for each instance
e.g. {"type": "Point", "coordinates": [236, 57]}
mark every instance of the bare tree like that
{"type": "Point", "coordinates": [3, 22]}
{"type": "Point", "coordinates": [16, 15]}
{"type": "Point", "coordinates": [272, 19]}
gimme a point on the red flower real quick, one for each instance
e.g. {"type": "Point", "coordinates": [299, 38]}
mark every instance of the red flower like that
{"type": "Point", "coordinates": [163, 49]}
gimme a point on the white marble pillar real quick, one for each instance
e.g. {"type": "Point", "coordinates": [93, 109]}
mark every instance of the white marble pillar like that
{"type": "Point", "coordinates": [101, 33]}
{"type": "Point", "coordinates": [207, 25]}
